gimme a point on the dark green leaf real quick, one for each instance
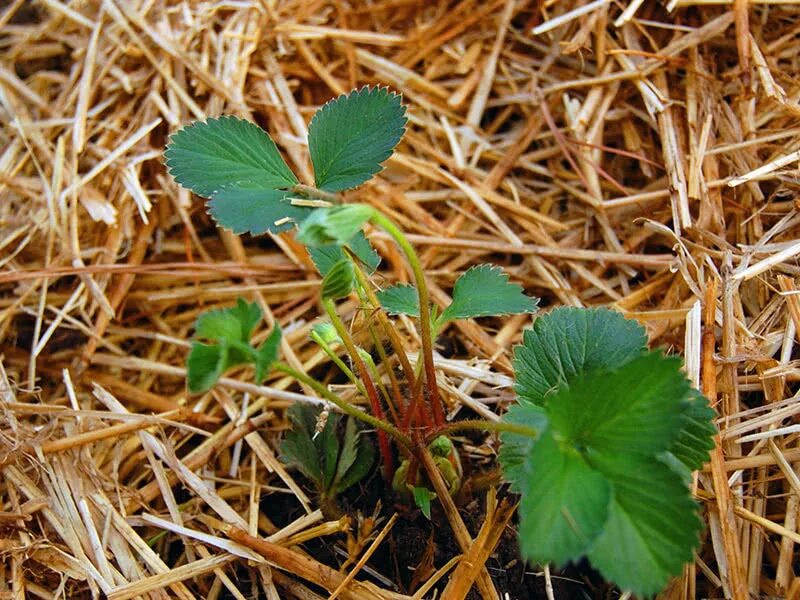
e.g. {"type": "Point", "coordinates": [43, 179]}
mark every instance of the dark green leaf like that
{"type": "Point", "coordinates": [267, 353]}
{"type": "Point", "coordinates": [204, 366]}
{"type": "Point", "coordinates": [564, 504]}
{"type": "Point", "coordinates": [696, 438]}
{"type": "Point", "coordinates": [485, 290]}
{"type": "Point", "coordinates": [248, 209]}
{"type": "Point", "coordinates": [566, 341]}
{"type": "Point", "coordinates": [517, 448]}
{"type": "Point", "coordinates": [401, 299]}
{"type": "Point", "coordinates": [637, 408]}
{"type": "Point", "coordinates": [327, 442]}
{"type": "Point", "coordinates": [339, 281]}
{"type": "Point", "coordinates": [325, 257]}
{"type": "Point", "coordinates": [297, 449]}
{"type": "Point", "coordinates": [207, 156]}
{"type": "Point", "coordinates": [422, 498]}
{"type": "Point", "coordinates": [653, 526]}
{"type": "Point", "coordinates": [351, 136]}
{"type": "Point", "coordinates": [355, 459]}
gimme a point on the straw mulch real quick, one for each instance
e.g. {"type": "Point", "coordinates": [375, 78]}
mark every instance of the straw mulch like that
{"type": "Point", "coordinates": [629, 153]}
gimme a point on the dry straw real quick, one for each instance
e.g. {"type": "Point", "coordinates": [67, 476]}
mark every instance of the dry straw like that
{"type": "Point", "coordinates": [637, 154]}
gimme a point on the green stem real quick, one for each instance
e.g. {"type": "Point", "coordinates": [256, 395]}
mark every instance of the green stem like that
{"type": "Point", "coordinates": [338, 362]}
{"type": "Point", "coordinates": [345, 407]}
{"type": "Point", "coordinates": [387, 225]}
{"type": "Point", "coordinates": [477, 424]}
{"type": "Point", "coordinates": [366, 379]}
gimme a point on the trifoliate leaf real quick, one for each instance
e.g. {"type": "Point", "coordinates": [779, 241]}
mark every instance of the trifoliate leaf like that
{"type": "Point", "coordinates": [485, 290]}
{"type": "Point", "coordinates": [564, 503]}
{"type": "Point", "coordinates": [325, 257]}
{"type": "Point", "coordinates": [206, 156]}
{"type": "Point", "coordinates": [204, 366]}
{"type": "Point", "coordinates": [232, 324]}
{"type": "Point", "coordinates": [236, 165]}
{"type": "Point", "coordinates": [653, 525]}
{"type": "Point", "coordinates": [351, 136]}
{"type": "Point", "coordinates": [337, 225]}
{"type": "Point", "coordinates": [422, 498]}
{"type": "Point", "coordinates": [401, 299]}
{"type": "Point", "coordinates": [339, 281]}
{"type": "Point", "coordinates": [255, 210]}
{"type": "Point", "coordinates": [637, 408]}
{"type": "Point", "coordinates": [566, 341]}
{"type": "Point", "coordinates": [267, 353]}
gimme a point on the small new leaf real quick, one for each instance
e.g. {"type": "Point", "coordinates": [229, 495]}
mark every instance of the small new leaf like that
{"type": "Point", "coordinates": [236, 165]}
{"type": "Point", "coordinates": [267, 353]}
{"type": "Point", "coordinates": [325, 257]}
{"type": "Point", "coordinates": [422, 498]}
{"type": "Point", "coordinates": [401, 299]}
{"type": "Point", "coordinates": [204, 366]}
{"type": "Point", "coordinates": [350, 136]}
{"type": "Point", "coordinates": [231, 324]}
{"type": "Point", "coordinates": [485, 290]}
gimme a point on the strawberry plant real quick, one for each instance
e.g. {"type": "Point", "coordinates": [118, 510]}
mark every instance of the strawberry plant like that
{"type": "Point", "coordinates": [605, 433]}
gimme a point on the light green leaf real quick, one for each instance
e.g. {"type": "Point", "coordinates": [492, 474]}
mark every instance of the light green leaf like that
{"type": "Point", "coordinates": [255, 210]}
{"type": "Point", "coordinates": [204, 366]}
{"type": "Point", "coordinates": [207, 156]}
{"type": "Point", "coordinates": [236, 165]}
{"type": "Point", "coordinates": [231, 324]}
{"type": "Point", "coordinates": [637, 408]}
{"type": "Point", "coordinates": [653, 525]}
{"type": "Point", "coordinates": [267, 353]}
{"type": "Point", "coordinates": [337, 225]}
{"type": "Point", "coordinates": [325, 257]}
{"type": "Point", "coordinates": [485, 290]}
{"type": "Point", "coordinates": [339, 281]}
{"type": "Point", "coordinates": [327, 333]}
{"type": "Point", "coordinates": [351, 136]}
{"type": "Point", "coordinates": [564, 503]}
{"type": "Point", "coordinates": [401, 299]}
{"type": "Point", "coordinates": [422, 498]}
{"type": "Point", "coordinates": [566, 341]}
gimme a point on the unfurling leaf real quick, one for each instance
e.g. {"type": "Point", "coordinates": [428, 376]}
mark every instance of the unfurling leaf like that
{"type": "Point", "coordinates": [337, 225]}
{"type": "Point", "coordinates": [422, 498]}
{"type": "Point", "coordinates": [339, 281]}
{"type": "Point", "coordinates": [350, 136]}
{"type": "Point", "coordinates": [325, 257]}
{"type": "Point", "coordinates": [236, 165]}
{"type": "Point", "coordinates": [484, 290]}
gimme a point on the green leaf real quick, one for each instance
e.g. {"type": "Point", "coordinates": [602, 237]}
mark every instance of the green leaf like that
{"type": "Point", "coordinates": [325, 257]}
{"type": "Point", "coordinates": [267, 353]}
{"type": "Point", "coordinates": [237, 166]}
{"type": "Point", "coordinates": [422, 498]}
{"type": "Point", "coordinates": [696, 438]}
{"type": "Point", "coordinates": [355, 459]}
{"type": "Point", "coordinates": [564, 503]}
{"type": "Point", "coordinates": [566, 341]}
{"type": "Point", "coordinates": [349, 137]}
{"type": "Point", "coordinates": [207, 156]}
{"type": "Point", "coordinates": [297, 449]}
{"type": "Point", "coordinates": [653, 525]}
{"type": "Point", "coordinates": [485, 290]}
{"type": "Point", "coordinates": [204, 366]}
{"type": "Point", "coordinates": [339, 281]}
{"type": "Point", "coordinates": [516, 448]}
{"type": "Point", "coordinates": [637, 408]}
{"type": "Point", "coordinates": [337, 225]}
{"type": "Point", "coordinates": [231, 324]}
{"type": "Point", "coordinates": [401, 299]}
{"type": "Point", "coordinates": [327, 443]}
{"type": "Point", "coordinates": [244, 208]}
